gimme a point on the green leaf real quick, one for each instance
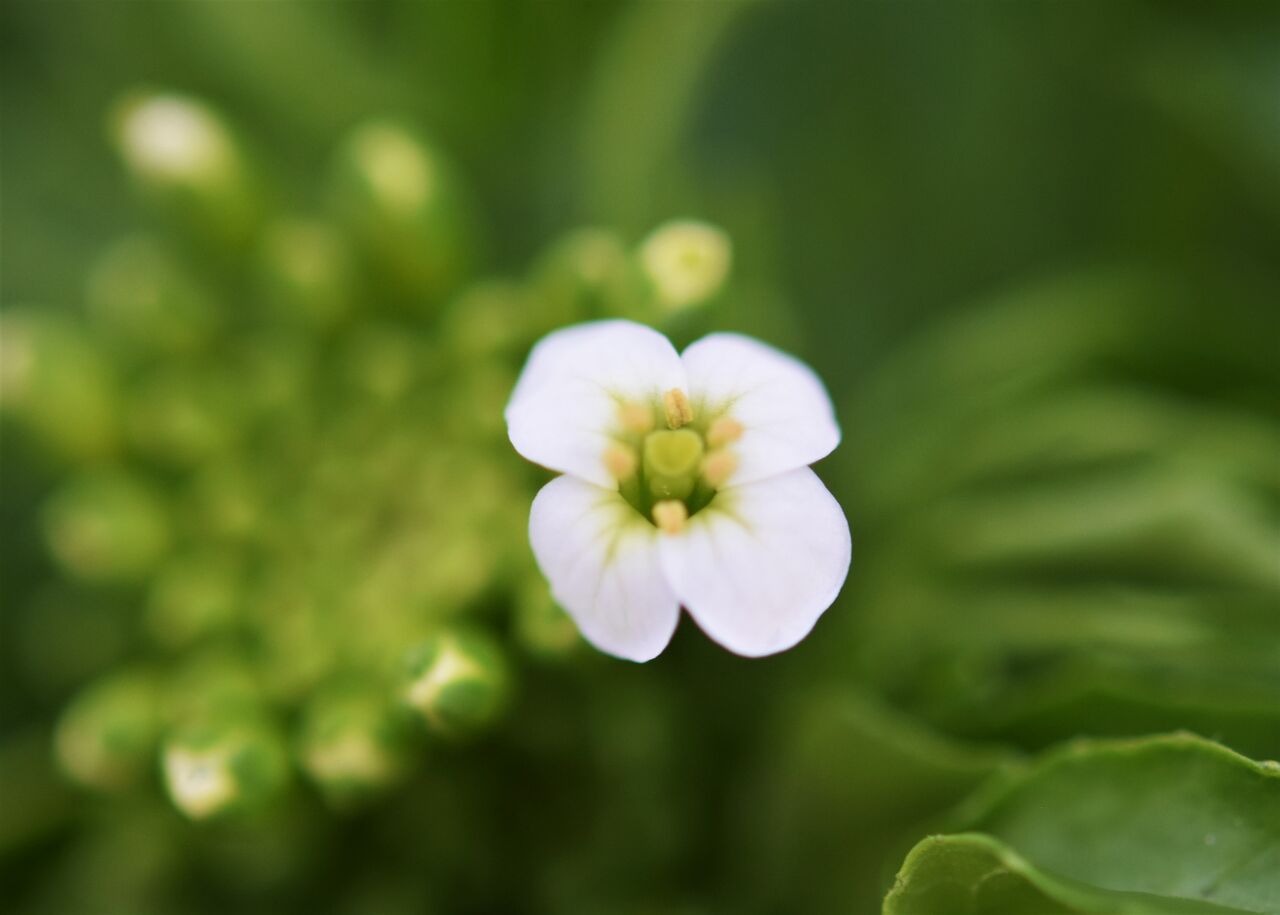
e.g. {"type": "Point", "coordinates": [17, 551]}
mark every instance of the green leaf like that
{"type": "Point", "coordinates": [1156, 825]}
{"type": "Point", "coordinates": [973, 874]}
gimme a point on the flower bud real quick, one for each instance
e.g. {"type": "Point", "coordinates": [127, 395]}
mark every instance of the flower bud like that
{"type": "Point", "coordinates": [489, 318]}
{"type": "Point", "coordinates": [105, 526]}
{"type": "Point", "coordinates": [193, 595]}
{"type": "Point", "coordinates": [186, 160]}
{"type": "Point", "coordinates": [214, 683]}
{"type": "Point", "coordinates": [58, 385]}
{"type": "Point", "coordinates": [541, 626]}
{"type": "Point", "coordinates": [585, 274]}
{"type": "Point", "coordinates": [403, 202]}
{"type": "Point", "coordinates": [138, 294]}
{"type": "Point", "coordinates": [182, 417]}
{"type": "Point", "coordinates": [686, 263]}
{"type": "Point", "coordinates": [226, 501]}
{"type": "Point", "coordinates": [106, 736]}
{"type": "Point", "coordinates": [224, 765]}
{"type": "Point", "coordinates": [381, 360]}
{"type": "Point", "coordinates": [352, 742]}
{"type": "Point", "coordinates": [307, 273]}
{"type": "Point", "coordinates": [458, 681]}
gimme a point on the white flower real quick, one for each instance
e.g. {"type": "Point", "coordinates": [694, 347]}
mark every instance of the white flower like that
{"type": "Point", "coordinates": [686, 482]}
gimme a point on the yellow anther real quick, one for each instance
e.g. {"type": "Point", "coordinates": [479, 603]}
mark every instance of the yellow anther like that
{"type": "Point", "coordinates": [677, 407]}
{"type": "Point", "coordinates": [717, 467]}
{"type": "Point", "coordinates": [635, 418]}
{"type": "Point", "coordinates": [621, 461]}
{"type": "Point", "coordinates": [724, 430]}
{"type": "Point", "coordinates": [670, 516]}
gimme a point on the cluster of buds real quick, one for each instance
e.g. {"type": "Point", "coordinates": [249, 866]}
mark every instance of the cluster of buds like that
{"type": "Point", "coordinates": [282, 456]}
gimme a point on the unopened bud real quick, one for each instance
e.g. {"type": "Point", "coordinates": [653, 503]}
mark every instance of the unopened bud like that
{"type": "Point", "coordinates": [106, 527]}
{"type": "Point", "coordinates": [138, 293]}
{"type": "Point", "coordinates": [540, 624]}
{"type": "Point", "coordinates": [585, 274]}
{"type": "Point", "coordinates": [488, 318]}
{"type": "Point", "coordinates": [406, 206]}
{"type": "Point", "coordinates": [458, 681]}
{"type": "Point", "coordinates": [55, 381]}
{"type": "Point", "coordinates": [185, 157]}
{"type": "Point", "coordinates": [223, 766]}
{"type": "Point", "coordinates": [106, 736]}
{"type": "Point", "coordinates": [307, 272]}
{"type": "Point", "coordinates": [352, 742]}
{"type": "Point", "coordinates": [182, 417]}
{"type": "Point", "coordinates": [686, 262]}
{"type": "Point", "coordinates": [192, 596]}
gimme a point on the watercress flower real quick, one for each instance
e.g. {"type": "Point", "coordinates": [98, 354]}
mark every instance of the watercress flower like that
{"type": "Point", "coordinates": [685, 482]}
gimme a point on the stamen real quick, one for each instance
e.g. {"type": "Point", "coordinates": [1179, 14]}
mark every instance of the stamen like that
{"type": "Point", "coordinates": [717, 467]}
{"type": "Point", "coordinates": [670, 516]}
{"type": "Point", "coordinates": [635, 418]}
{"type": "Point", "coordinates": [621, 461]}
{"type": "Point", "coordinates": [677, 407]}
{"type": "Point", "coordinates": [724, 430]}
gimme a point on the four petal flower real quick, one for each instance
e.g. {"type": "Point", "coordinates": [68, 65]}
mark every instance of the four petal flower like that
{"type": "Point", "coordinates": [686, 483]}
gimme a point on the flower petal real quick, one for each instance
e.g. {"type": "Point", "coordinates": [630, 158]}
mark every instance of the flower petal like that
{"type": "Point", "coordinates": [565, 405]}
{"type": "Point", "coordinates": [601, 558]}
{"type": "Point", "coordinates": [759, 565]}
{"type": "Point", "coordinates": [785, 413]}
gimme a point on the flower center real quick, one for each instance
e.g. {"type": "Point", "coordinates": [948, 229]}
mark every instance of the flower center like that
{"type": "Point", "coordinates": [669, 474]}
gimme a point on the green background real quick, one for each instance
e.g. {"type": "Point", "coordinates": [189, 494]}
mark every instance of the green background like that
{"type": "Point", "coordinates": [1034, 252]}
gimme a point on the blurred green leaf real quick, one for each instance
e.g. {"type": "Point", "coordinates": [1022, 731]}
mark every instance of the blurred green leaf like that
{"type": "Point", "coordinates": [977, 875]}
{"type": "Point", "coordinates": [1184, 823]}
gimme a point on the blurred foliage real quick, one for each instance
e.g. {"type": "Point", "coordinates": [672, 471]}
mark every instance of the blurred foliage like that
{"type": "Point", "coordinates": [1197, 833]}
{"type": "Point", "coordinates": [271, 638]}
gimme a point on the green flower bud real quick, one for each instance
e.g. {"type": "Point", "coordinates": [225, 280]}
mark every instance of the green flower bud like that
{"type": "Point", "coordinates": [586, 274]}
{"type": "Point", "coordinates": [193, 595]}
{"type": "Point", "coordinates": [458, 681]}
{"type": "Point", "coordinates": [139, 294]}
{"type": "Point", "coordinates": [106, 526]}
{"type": "Point", "coordinates": [186, 160]}
{"type": "Point", "coordinates": [224, 765]}
{"type": "Point", "coordinates": [542, 627]}
{"type": "Point", "coordinates": [58, 385]}
{"type": "Point", "coordinates": [273, 374]}
{"type": "Point", "coordinates": [182, 417]}
{"type": "Point", "coordinates": [352, 742]}
{"type": "Point", "coordinates": [106, 737]}
{"type": "Point", "coordinates": [226, 501]}
{"type": "Point", "coordinates": [402, 200]}
{"type": "Point", "coordinates": [307, 273]}
{"type": "Point", "coordinates": [381, 360]}
{"type": "Point", "coordinates": [216, 683]}
{"type": "Point", "coordinates": [686, 263]}
{"type": "Point", "coordinates": [489, 318]}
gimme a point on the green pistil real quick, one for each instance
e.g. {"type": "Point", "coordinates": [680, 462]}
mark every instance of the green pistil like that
{"type": "Point", "coordinates": [671, 462]}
